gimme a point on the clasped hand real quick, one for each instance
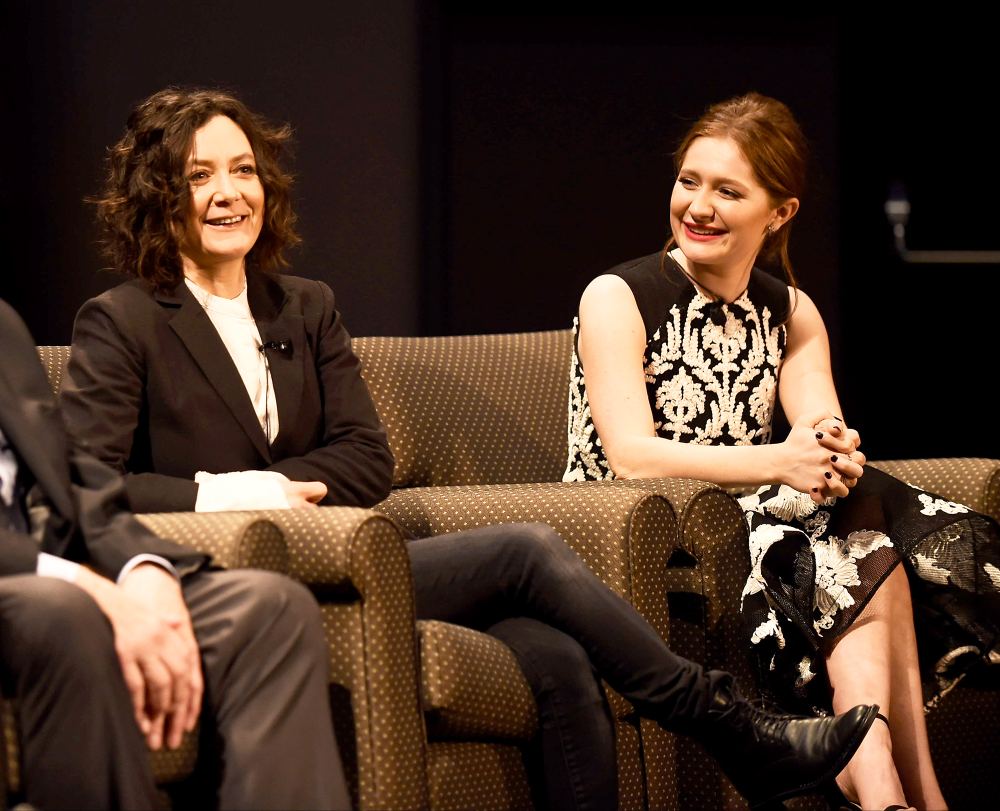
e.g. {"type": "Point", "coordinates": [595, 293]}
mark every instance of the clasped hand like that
{"type": "Point", "coordinates": [156, 649]}
{"type": "Point", "coordinates": [823, 459]}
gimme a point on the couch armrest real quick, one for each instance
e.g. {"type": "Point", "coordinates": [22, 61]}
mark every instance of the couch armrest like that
{"type": "Point", "coordinates": [355, 561]}
{"type": "Point", "coordinates": [972, 481]}
{"type": "Point", "coordinates": [235, 540]}
{"type": "Point", "coordinates": [597, 520]}
{"type": "Point", "coordinates": [643, 538]}
{"type": "Point", "coordinates": [675, 548]}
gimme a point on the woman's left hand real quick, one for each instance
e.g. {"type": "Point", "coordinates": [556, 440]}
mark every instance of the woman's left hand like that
{"type": "Point", "coordinates": [848, 462]}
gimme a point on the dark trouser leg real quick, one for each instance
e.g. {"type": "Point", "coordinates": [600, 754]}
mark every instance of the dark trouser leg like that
{"type": "Point", "coordinates": [81, 746]}
{"type": "Point", "coordinates": [266, 669]}
{"type": "Point", "coordinates": [576, 737]}
{"type": "Point", "coordinates": [479, 577]}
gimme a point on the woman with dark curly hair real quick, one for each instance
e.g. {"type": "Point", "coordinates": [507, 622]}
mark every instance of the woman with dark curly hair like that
{"type": "Point", "coordinates": [214, 385]}
{"type": "Point", "coordinates": [197, 207]}
{"type": "Point", "coordinates": [141, 213]}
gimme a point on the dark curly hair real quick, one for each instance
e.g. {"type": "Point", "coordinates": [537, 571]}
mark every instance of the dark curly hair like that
{"type": "Point", "coordinates": [144, 203]}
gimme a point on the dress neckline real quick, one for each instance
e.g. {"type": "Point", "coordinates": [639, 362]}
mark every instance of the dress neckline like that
{"type": "Point", "coordinates": [716, 300]}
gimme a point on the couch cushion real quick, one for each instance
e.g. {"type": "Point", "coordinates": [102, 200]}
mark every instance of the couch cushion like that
{"type": "Point", "coordinates": [483, 776]}
{"type": "Point", "coordinates": [472, 409]}
{"type": "Point", "coordinates": [472, 686]}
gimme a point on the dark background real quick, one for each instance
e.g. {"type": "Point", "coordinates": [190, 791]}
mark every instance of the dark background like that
{"type": "Point", "coordinates": [466, 173]}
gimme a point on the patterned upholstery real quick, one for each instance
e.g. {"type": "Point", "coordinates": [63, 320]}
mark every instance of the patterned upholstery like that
{"type": "Point", "coordinates": [489, 412]}
{"type": "Point", "coordinates": [964, 728]}
{"type": "Point", "coordinates": [356, 564]}
{"type": "Point", "coordinates": [970, 481]}
{"type": "Point", "coordinates": [472, 687]}
{"type": "Point", "coordinates": [480, 409]}
{"type": "Point", "coordinates": [478, 427]}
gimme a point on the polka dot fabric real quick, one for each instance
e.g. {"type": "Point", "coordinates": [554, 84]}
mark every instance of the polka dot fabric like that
{"type": "Point", "coordinates": [472, 686]}
{"type": "Point", "coordinates": [357, 564]}
{"type": "Point", "coordinates": [10, 763]}
{"type": "Point", "coordinates": [473, 408]}
{"type": "Point", "coordinates": [970, 481]}
{"type": "Point", "coordinates": [54, 360]}
{"type": "Point", "coordinates": [477, 777]}
{"type": "Point", "coordinates": [478, 426]}
{"type": "Point", "coordinates": [625, 534]}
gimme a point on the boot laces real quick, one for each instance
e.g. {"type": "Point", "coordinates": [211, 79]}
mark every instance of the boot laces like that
{"type": "Point", "coordinates": [766, 726]}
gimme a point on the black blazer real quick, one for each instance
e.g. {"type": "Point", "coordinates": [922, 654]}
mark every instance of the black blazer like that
{"type": "Point", "coordinates": [152, 391]}
{"type": "Point", "coordinates": [87, 509]}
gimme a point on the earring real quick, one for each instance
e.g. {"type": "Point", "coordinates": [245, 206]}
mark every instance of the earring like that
{"type": "Point", "coordinates": [769, 229]}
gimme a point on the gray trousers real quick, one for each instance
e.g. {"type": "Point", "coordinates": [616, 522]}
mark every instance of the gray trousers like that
{"type": "Point", "coordinates": [267, 738]}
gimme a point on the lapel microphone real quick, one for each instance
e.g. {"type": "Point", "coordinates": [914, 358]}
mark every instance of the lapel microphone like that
{"type": "Point", "coordinates": [284, 345]}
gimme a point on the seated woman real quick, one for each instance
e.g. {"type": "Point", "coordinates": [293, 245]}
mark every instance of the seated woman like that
{"type": "Point", "coordinates": [213, 384]}
{"type": "Point", "coordinates": [679, 356]}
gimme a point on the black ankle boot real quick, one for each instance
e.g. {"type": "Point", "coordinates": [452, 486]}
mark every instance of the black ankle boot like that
{"type": "Point", "coordinates": [770, 757]}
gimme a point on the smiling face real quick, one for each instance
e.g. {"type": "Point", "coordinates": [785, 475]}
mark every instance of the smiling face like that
{"type": "Point", "coordinates": [226, 210]}
{"type": "Point", "coordinates": [719, 212]}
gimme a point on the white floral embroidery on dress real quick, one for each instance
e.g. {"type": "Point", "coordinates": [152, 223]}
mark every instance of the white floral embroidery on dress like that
{"type": "Point", "coordinates": [863, 542]}
{"type": "Point", "coordinates": [932, 506]}
{"type": "Point", "coordinates": [816, 525]}
{"type": "Point", "coordinates": [706, 382]}
{"type": "Point", "coordinates": [751, 503]}
{"type": "Point", "coordinates": [761, 539]}
{"type": "Point", "coordinates": [835, 571]}
{"type": "Point", "coordinates": [806, 674]}
{"type": "Point", "coordinates": [928, 569]}
{"type": "Point", "coordinates": [788, 504]}
{"type": "Point", "coordinates": [768, 627]}
{"type": "Point", "coordinates": [712, 371]}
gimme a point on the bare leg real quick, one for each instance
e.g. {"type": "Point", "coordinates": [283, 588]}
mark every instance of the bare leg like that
{"type": "Point", "coordinates": [875, 661]}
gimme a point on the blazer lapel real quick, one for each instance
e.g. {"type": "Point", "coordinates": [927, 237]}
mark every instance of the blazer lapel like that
{"type": "Point", "coordinates": [30, 421]}
{"type": "Point", "coordinates": [276, 324]}
{"type": "Point", "coordinates": [193, 326]}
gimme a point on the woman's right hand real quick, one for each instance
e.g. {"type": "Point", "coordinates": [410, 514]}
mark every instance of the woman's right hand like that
{"type": "Point", "coordinates": [820, 462]}
{"type": "Point", "coordinates": [835, 433]}
{"type": "Point", "coordinates": [303, 494]}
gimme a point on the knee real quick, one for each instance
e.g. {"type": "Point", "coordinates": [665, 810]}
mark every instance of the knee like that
{"type": "Point", "coordinates": [56, 628]}
{"type": "Point", "coordinates": [555, 665]}
{"type": "Point", "coordinates": [279, 605]}
{"type": "Point", "coordinates": [561, 674]}
{"type": "Point", "coordinates": [538, 546]}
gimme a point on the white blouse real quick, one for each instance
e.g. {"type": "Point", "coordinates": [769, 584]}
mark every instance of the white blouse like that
{"type": "Point", "coordinates": [244, 489]}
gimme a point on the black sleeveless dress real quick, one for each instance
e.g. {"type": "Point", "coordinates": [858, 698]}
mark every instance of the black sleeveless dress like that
{"type": "Point", "coordinates": [711, 378]}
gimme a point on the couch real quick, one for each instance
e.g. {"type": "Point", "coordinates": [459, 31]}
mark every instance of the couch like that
{"type": "Point", "coordinates": [355, 562]}
{"type": "Point", "coordinates": [431, 715]}
{"type": "Point", "coordinates": [478, 425]}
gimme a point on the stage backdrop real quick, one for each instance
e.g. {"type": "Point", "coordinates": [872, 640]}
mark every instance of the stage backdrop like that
{"type": "Point", "coordinates": [471, 173]}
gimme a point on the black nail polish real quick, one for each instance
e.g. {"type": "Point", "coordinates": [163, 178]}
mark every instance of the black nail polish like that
{"type": "Point", "coordinates": [819, 435]}
{"type": "Point", "coordinates": [828, 474]}
{"type": "Point", "coordinates": [833, 458]}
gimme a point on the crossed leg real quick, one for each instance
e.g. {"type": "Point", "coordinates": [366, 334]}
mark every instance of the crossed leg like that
{"type": "Point", "coordinates": [875, 661]}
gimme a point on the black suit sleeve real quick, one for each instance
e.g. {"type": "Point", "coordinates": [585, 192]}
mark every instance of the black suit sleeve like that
{"type": "Point", "coordinates": [110, 533]}
{"type": "Point", "coordinates": [93, 525]}
{"type": "Point", "coordinates": [101, 399]}
{"type": "Point", "coordinates": [352, 457]}
{"type": "Point", "coordinates": [18, 553]}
